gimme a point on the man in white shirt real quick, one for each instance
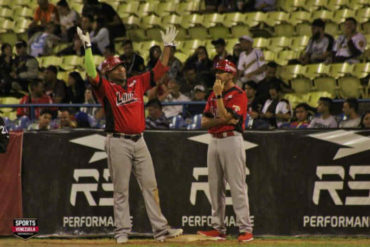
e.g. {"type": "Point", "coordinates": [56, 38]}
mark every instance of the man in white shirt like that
{"type": "Point", "coordinates": [352, 118]}
{"type": "Point", "coordinates": [350, 45]}
{"type": "Point", "coordinates": [172, 94]}
{"type": "Point", "coordinates": [325, 120]}
{"type": "Point", "coordinates": [251, 65]}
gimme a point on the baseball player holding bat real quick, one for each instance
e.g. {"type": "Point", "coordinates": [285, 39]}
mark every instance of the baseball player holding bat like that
{"type": "Point", "coordinates": [122, 100]}
{"type": "Point", "coordinates": [224, 117]}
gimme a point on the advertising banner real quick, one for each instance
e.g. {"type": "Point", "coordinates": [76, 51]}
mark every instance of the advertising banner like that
{"type": "Point", "coordinates": [299, 182]}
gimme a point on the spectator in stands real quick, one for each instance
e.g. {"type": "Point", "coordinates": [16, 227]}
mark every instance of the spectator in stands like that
{"type": "Point", "coordinates": [36, 96]}
{"type": "Point", "coordinates": [325, 120]}
{"type": "Point", "coordinates": [320, 45]}
{"type": "Point", "coordinates": [42, 43]}
{"type": "Point", "coordinates": [133, 62]}
{"type": "Point", "coordinates": [221, 53]}
{"type": "Point", "coordinates": [202, 65]}
{"type": "Point", "coordinates": [172, 94]}
{"type": "Point", "coordinates": [349, 46]}
{"type": "Point", "coordinates": [174, 64]}
{"type": "Point", "coordinates": [265, 5]}
{"type": "Point", "coordinates": [46, 12]}
{"type": "Point", "coordinates": [26, 67]}
{"type": "Point", "coordinates": [199, 93]}
{"type": "Point", "coordinates": [89, 99]}
{"type": "Point", "coordinates": [237, 49]}
{"type": "Point", "coordinates": [269, 80]}
{"type": "Point", "coordinates": [6, 68]}
{"type": "Point", "coordinates": [254, 104]}
{"type": "Point", "coordinates": [66, 119]}
{"type": "Point", "coordinates": [365, 120]}
{"type": "Point", "coordinates": [155, 53]}
{"type": "Point", "coordinates": [100, 35]}
{"type": "Point", "coordinates": [54, 87]}
{"type": "Point", "coordinates": [156, 118]}
{"type": "Point", "coordinates": [251, 63]}
{"type": "Point", "coordinates": [69, 19]}
{"type": "Point", "coordinates": [75, 88]}
{"type": "Point", "coordinates": [276, 110]}
{"type": "Point", "coordinates": [352, 118]}
{"type": "Point", "coordinates": [110, 16]}
{"type": "Point", "coordinates": [301, 115]}
{"type": "Point", "coordinates": [43, 122]}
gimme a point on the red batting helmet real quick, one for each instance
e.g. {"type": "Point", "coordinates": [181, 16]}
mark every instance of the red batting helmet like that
{"type": "Point", "coordinates": [110, 64]}
{"type": "Point", "coordinates": [227, 66]}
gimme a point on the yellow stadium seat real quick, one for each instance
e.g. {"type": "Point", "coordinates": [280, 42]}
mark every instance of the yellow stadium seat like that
{"type": "Point", "coordinates": [361, 70]}
{"type": "Point", "coordinates": [6, 13]}
{"type": "Point", "coordinates": [145, 46]}
{"type": "Point", "coordinates": [358, 4]}
{"type": "Point", "coordinates": [71, 61]}
{"type": "Point", "coordinates": [350, 86]}
{"type": "Point", "coordinates": [154, 33]}
{"type": "Point", "coordinates": [340, 69]}
{"type": "Point", "coordinates": [181, 56]}
{"type": "Point", "coordinates": [260, 43]}
{"type": "Point", "coordinates": [291, 5]}
{"type": "Point", "coordinates": [79, 6]}
{"type": "Point", "coordinates": [192, 20]}
{"type": "Point", "coordinates": [240, 30]}
{"type": "Point", "coordinates": [315, 70]}
{"type": "Point", "coordinates": [22, 25]}
{"type": "Point", "coordinates": [5, 3]}
{"type": "Point", "coordinates": [6, 112]}
{"type": "Point", "coordinates": [269, 55]}
{"type": "Point", "coordinates": [284, 29]}
{"type": "Point", "coordinates": [363, 15]}
{"type": "Point", "coordinates": [165, 8]}
{"type": "Point", "coordinates": [52, 60]}
{"type": "Point", "coordinates": [172, 20]}
{"type": "Point", "coordinates": [147, 8]}
{"type": "Point", "coordinates": [185, 8]}
{"type": "Point", "coordinates": [332, 28]}
{"type": "Point", "coordinates": [230, 43]}
{"type": "Point", "coordinates": [98, 60]}
{"type": "Point", "coordinates": [210, 49]}
{"type": "Point", "coordinates": [198, 33]}
{"type": "Point", "coordinates": [279, 43]}
{"type": "Point", "coordinates": [276, 17]}
{"type": "Point", "coordinates": [338, 4]}
{"type": "Point", "coordinates": [326, 84]}
{"type": "Point", "coordinates": [24, 12]}
{"type": "Point", "coordinates": [299, 43]}
{"type": "Point", "coordinates": [150, 21]}
{"type": "Point", "coordinates": [287, 55]}
{"type": "Point", "coordinates": [63, 75]}
{"type": "Point", "coordinates": [291, 71]}
{"type": "Point", "coordinates": [129, 8]}
{"type": "Point", "coordinates": [322, 14]}
{"type": "Point", "coordinates": [255, 18]}
{"type": "Point", "coordinates": [301, 85]}
{"type": "Point", "coordinates": [219, 32]}
{"type": "Point", "coordinates": [294, 99]}
{"type": "Point", "coordinates": [312, 98]}
{"type": "Point", "coordinates": [233, 19]}
{"type": "Point", "coordinates": [191, 45]}
{"type": "Point", "coordinates": [341, 14]}
{"type": "Point", "coordinates": [299, 17]}
{"type": "Point", "coordinates": [316, 4]}
{"type": "Point", "coordinates": [137, 34]}
{"type": "Point", "coordinates": [131, 21]}
{"type": "Point", "coordinates": [211, 20]}
{"type": "Point", "coordinates": [9, 37]}
{"type": "Point", "coordinates": [303, 29]}
{"type": "Point", "coordinates": [182, 35]}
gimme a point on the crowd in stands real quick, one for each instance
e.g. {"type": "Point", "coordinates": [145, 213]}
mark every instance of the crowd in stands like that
{"type": "Point", "coordinates": [188, 81]}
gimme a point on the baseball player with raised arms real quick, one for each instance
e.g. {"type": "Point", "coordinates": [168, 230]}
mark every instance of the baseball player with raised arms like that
{"type": "Point", "coordinates": [224, 117]}
{"type": "Point", "coordinates": [122, 100]}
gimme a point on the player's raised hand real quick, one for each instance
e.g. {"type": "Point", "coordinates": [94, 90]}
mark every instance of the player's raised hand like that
{"type": "Point", "coordinates": [85, 38]}
{"type": "Point", "coordinates": [218, 87]}
{"type": "Point", "coordinates": [169, 36]}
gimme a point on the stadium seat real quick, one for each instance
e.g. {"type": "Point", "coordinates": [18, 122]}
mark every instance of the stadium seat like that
{"type": "Point", "coordinates": [294, 99]}
{"type": "Point", "coordinates": [186, 8]}
{"type": "Point", "coordinates": [290, 5]}
{"type": "Point", "coordinates": [230, 43]}
{"type": "Point", "coordinates": [338, 4]}
{"type": "Point", "coordinates": [332, 28]}
{"type": "Point", "coordinates": [322, 14]}
{"type": "Point", "coordinates": [131, 21]}
{"type": "Point", "coordinates": [79, 6]}
{"type": "Point", "coordinates": [5, 3]}
{"type": "Point", "coordinates": [9, 112]}
{"type": "Point", "coordinates": [210, 49]}
{"type": "Point", "coordinates": [145, 46]}
{"type": "Point", "coordinates": [255, 18]}
{"type": "Point", "coordinates": [233, 19]}
{"type": "Point", "coordinates": [284, 56]}
{"type": "Point", "coordinates": [291, 71]}
{"type": "Point", "coordinates": [181, 56]}
{"type": "Point", "coordinates": [326, 84]}
{"type": "Point", "coordinates": [24, 12]}
{"type": "Point", "coordinates": [129, 8]}
{"type": "Point", "coordinates": [22, 25]}
{"type": "Point", "coordinates": [363, 15]}
{"type": "Point", "coordinates": [269, 55]}
{"type": "Point", "coordinates": [137, 34]}
{"type": "Point", "coordinates": [98, 59]}
{"type": "Point", "coordinates": [165, 8]}
{"type": "Point", "coordinates": [300, 43]}
{"type": "Point", "coordinates": [299, 17]}
{"type": "Point", "coordinates": [284, 29]}
{"type": "Point", "coordinates": [198, 33]}
{"type": "Point", "coordinates": [312, 5]}
{"type": "Point", "coordinates": [315, 70]}
{"type": "Point", "coordinates": [154, 34]}
{"type": "Point", "coordinates": [191, 20]}
{"type": "Point", "coordinates": [279, 43]}
{"type": "Point", "coordinates": [172, 20]}
{"type": "Point", "coordinates": [301, 85]}
{"type": "Point", "coordinates": [211, 20]}
{"type": "Point", "coordinates": [7, 25]}
{"type": "Point", "coordinates": [63, 75]}
{"type": "Point", "coordinates": [341, 14]}
{"type": "Point", "coordinates": [219, 32]}
{"type": "Point", "coordinates": [312, 98]}
{"type": "Point", "coordinates": [9, 37]}
{"type": "Point", "coordinates": [147, 8]}
{"type": "Point", "coordinates": [7, 13]}
{"type": "Point", "coordinates": [340, 69]}
{"type": "Point", "coordinates": [190, 45]}
{"type": "Point", "coordinates": [361, 70]}
{"type": "Point", "coordinates": [150, 21]}
{"type": "Point", "coordinates": [71, 61]}
{"type": "Point", "coordinates": [51, 60]}
{"type": "Point", "coordinates": [303, 29]}
{"type": "Point", "coordinates": [276, 17]}
{"type": "Point", "coordinates": [240, 30]}
{"type": "Point", "coordinates": [349, 87]}
{"type": "Point", "coordinates": [358, 4]}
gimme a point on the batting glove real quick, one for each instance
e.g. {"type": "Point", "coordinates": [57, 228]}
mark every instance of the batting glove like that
{"type": "Point", "coordinates": [169, 36]}
{"type": "Point", "coordinates": [85, 38]}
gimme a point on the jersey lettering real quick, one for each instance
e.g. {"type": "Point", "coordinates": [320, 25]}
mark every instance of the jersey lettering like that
{"type": "Point", "coordinates": [125, 98]}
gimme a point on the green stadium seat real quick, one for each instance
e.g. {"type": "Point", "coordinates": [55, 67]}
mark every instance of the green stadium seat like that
{"type": "Point", "coordinates": [7, 13]}
{"type": "Point", "coordinates": [22, 25]}
{"type": "Point", "coordinates": [332, 28]}
{"type": "Point", "coordinates": [340, 69]}
{"type": "Point", "coordinates": [240, 30]}
{"type": "Point", "coordinates": [322, 14]}
{"type": "Point", "coordinates": [6, 3]}
{"type": "Point", "coordinates": [219, 32]}
{"type": "Point", "coordinates": [312, 98]}
{"type": "Point", "coordinates": [276, 17]}
{"type": "Point", "coordinates": [150, 21]}
{"type": "Point", "coordinates": [260, 43]}
{"type": "Point", "coordinates": [303, 29]}
{"type": "Point", "coordinates": [181, 56]}
{"type": "Point", "coordinates": [8, 37]}
{"type": "Point", "coordinates": [341, 14]}
{"type": "Point", "coordinates": [23, 12]}
{"type": "Point", "coordinates": [147, 8]}
{"type": "Point", "coordinates": [211, 20]}
{"type": "Point", "coordinates": [300, 43]}
{"type": "Point", "coordinates": [338, 4]}
{"type": "Point", "coordinates": [291, 5]}
{"type": "Point", "coordinates": [131, 21]}
{"type": "Point", "coordinates": [284, 29]}
{"type": "Point", "coordinates": [172, 20]}
{"type": "Point", "coordinates": [210, 49]}
{"type": "Point", "coordinates": [301, 85]}
{"type": "Point", "coordinates": [279, 43]}
{"type": "Point", "coordinates": [198, 33]}
{"type": "Point", "coordinates": [137, 34]}
{"type": "Point", "coordinates": [71, 61]}
{"type": "Point", "coordinates": [291, 71]}
{"type": "Point", "coordinates": [326, 84]}
{"type": "Point", "coordinates": [78, 6]}
{"type": "Point", "coordinates": [358, 4]}
{"type": "Point", "coordinates": [363, 15]}
{"type": "Point", "coordinates": [189, 46]}
{"type": "Point", "coordinates": [313, 71]}
{"type": "Point", "coordinates": [165, 8]}
{"type": "Point", "coordinates": [269, 55]}
{"type": "Point", "coordinates": [230, 43]}
{"type": "Point", "coordinates": [146, 45]}
{"type": "Point", "coordinates": [255, 18]}
{"type": "Point", "coordinates": [154, 33]}
{"type": "Point", "coordinates": [299, 17]}
{"type": "Point", "coordinates": [361, 70]}
{"type": "Point", "coordinates": [284, 56]}
{"type": "Point", "coordinates": [185, 8]}
{"type": "Point", "coordinates": [51, 60]}
{"type": "Point", "coordinates": [129, 8]}
{"type": "Point", "coordinates": [294, 99]}
{"type": "Point", "coordinates": [350, 87]}
{"type": "Point", "coordinates": [192, 20]}
{"type": "Point", "coordinates": [233, 19]}
{"type": "Point", "coordinates": [316, 4]}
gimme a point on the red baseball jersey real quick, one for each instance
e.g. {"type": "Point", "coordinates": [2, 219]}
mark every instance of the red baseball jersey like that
{"type": "Point", "coordinates": [28, 100]}
{"type": "Point", "coordinates": [124, 105]}
{"type": "Point", "coordinates": [235, 101]}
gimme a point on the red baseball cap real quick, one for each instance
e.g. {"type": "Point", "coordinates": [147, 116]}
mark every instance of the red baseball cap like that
{"type": "Point", "coordinates": [110, 64]}
{"type": "Point", "coordinates": [227, 66]}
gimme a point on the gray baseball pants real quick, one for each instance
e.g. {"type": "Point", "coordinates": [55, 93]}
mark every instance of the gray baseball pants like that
{"type": "Point", "coordinates": [124, 156]}
{"type": "Point", "coordinates": [226, 163]}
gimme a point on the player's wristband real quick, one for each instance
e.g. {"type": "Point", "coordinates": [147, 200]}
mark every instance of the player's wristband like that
{"type": "Point", "coordinates": [218, 96]}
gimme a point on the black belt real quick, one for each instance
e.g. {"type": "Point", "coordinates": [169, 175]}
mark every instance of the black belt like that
{"type": "Point", "coordinates": [134, 138]}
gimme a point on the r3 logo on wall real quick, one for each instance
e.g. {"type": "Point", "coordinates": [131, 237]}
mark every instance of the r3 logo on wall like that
{"type": "Point", "coordinates": [25, 227]}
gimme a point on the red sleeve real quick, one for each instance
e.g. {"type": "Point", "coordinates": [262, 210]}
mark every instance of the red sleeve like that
{"type": "Point", "coordinates": [237, 105]}
{"type": "Point", "coordinates": [22, 110]}
{"type": "Point", "coordinates": [97, 84]}
{"type": "Point", "coordinates": [37, 15]}
{"type": "Point", "coordinates": [150, 78]}
{"type": "Point", "coordinates": [207, 109]}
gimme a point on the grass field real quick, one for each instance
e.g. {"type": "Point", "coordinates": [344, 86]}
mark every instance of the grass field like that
{"type": "Point", "coordinates": [192, 241]}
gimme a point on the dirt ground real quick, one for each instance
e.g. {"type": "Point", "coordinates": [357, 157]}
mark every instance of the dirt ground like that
{"type": "Point", "coordinates": [190, 241]}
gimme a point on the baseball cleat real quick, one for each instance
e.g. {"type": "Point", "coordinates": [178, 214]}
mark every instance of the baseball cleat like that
{"type": "Point", "coordinates": [171, 233]}
{"type": "Point", "coordinates": [122, 240]}
{"type": "Point", "coordinates": [245, 237]}
{"type": "Point", "coordinates": [214, 234]}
